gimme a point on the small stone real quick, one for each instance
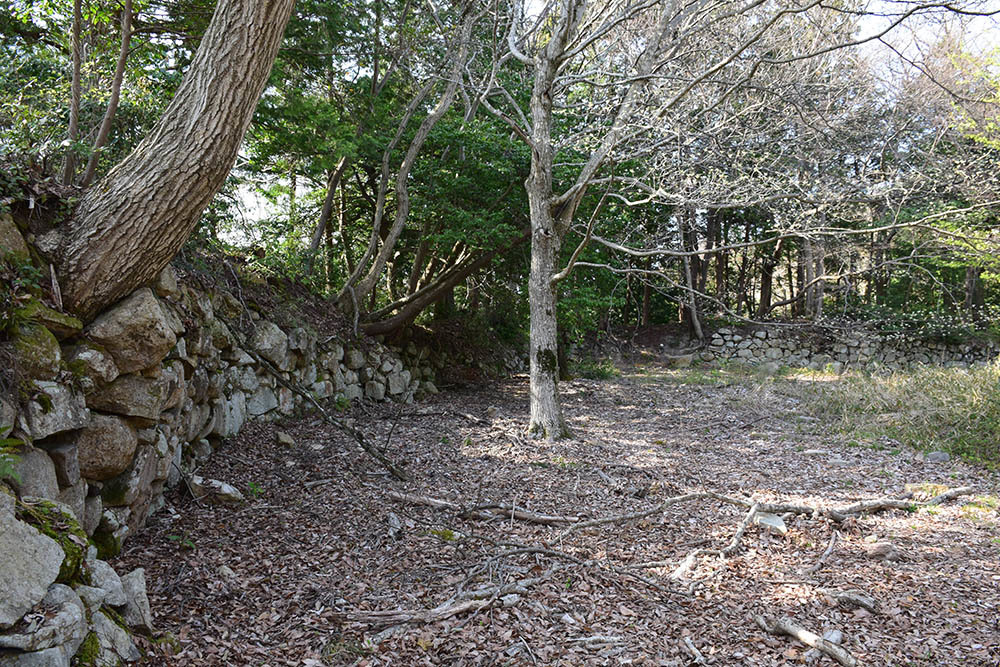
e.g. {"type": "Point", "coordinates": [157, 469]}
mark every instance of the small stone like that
{"type": "Point", "coordinates": [883, 551]}
{"type": "Point", "coordinates": [937, 457]}
{"type": "Point", "coordinates": [772, 521]}
{"type": "Point", "coordinates": [215, 491]}
{"type": "Point", "coordinates": [226, 571]}
{"type": "Point", "coordinates": [284, 439]}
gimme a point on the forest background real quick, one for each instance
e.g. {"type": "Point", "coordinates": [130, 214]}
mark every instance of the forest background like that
{"type": "Point", "coordinates": [699, 163]}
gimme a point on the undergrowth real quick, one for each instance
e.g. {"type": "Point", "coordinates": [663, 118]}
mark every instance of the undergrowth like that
{"type": "Point", "coordinates": [956, 410]}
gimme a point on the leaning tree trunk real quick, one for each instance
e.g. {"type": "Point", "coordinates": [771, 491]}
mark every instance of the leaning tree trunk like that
{"type": "Point", "coordinates": [131, 223]}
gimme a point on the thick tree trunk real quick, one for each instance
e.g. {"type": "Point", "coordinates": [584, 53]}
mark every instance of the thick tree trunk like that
{"type": "Point", "coordinates": [131, 223]}
{"type": "Point", "coordinates": [546, 412]}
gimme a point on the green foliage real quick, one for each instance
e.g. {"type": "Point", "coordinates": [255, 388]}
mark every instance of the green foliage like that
{"type": "Point", "coordinates": [595, 369]}
{"type": "Point", "coordinates": [20, 284]}
{"type": "Point", "coordinates": [182, 541]}
{"type": "Point", "coordinates": [254, 490]}
{"type": "Point", "coordinates": [8, 459]}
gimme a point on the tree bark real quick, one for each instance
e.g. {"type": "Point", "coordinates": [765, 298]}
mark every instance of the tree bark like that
{"type": "Point", "coordinates": [130, 224]}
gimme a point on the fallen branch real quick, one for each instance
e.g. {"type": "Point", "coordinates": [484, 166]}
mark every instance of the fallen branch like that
{"type": "Point", "coordinates": [786, 626]}
{"type": "Point", "coordinates": [484, 512]}
{"type": "Point", "coordinates": [815, 567]}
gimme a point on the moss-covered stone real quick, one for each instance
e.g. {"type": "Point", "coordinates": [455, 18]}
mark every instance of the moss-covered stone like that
{"type": "Point", "coordinates": [38, 351]}
{"type": "Point", "coordinates": [107, 543]}
{"type": "Point", "coordinates": [90, 649]}
{"type": "Point", "coordinates": [56, 521]}
{"type": "Point", "coordinates": [63, 326]}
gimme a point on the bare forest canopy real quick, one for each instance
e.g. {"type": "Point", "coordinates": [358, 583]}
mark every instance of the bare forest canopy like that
{"type": "Point", "coordinates": [582, 166]}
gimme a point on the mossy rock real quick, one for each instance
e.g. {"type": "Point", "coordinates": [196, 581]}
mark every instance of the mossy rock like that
{"type": "Point", "coordinates": [89, 651]}
{"type": "Point", "coordinates": [107, 543]}
{"type": "Point", "coordinates": [57, 521]}
{"type": "Point", "coordinates": [63, 326]}
{"type": "Point", "coordinates": [38, 351]}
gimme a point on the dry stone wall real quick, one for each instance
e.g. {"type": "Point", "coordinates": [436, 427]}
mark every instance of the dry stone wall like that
{"type": "Point", "coordinates": [111, 414]}
{"type": "Point", "coordinates": [839, 350]}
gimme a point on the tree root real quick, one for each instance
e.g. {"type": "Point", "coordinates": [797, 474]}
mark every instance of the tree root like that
{"type": "Point", "coordinates": [786, 626]}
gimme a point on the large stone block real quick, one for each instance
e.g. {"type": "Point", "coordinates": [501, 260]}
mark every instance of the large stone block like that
{"type": "Point", "coordinates": [262, 401]}
{"type": "Point", "coordinates": [134, 331]}
{"type": "Point", "coordinates": [271, 343]}
{"type": "Point", "coordinates": [56, 410]}
{"type": "Point", "coordinates": [63, 622]}
{"type": "Point", "coordinates": [230, 415]}
{"type": "Point", "coordinates": [29, 564]}
{"type": "Point", "coordinates": [35, 473]}
{"type": "Point", "coordinates": [132, 396]}
{"type": "Point", "coordinates": [128, 487]}
{"type": "Point", "coordinates": [105, 447]}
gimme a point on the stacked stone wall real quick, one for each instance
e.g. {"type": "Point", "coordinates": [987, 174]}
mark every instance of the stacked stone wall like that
{"type": "Point", "coordinates": [839, 349]}
{"type": "Point", "coordinates": [111, 414]}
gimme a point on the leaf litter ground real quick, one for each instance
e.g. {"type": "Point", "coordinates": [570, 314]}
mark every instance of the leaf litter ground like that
{"type": "Point", "coordinates": [296, 574]}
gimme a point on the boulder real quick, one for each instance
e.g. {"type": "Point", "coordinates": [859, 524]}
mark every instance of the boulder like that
{"type": "Point", "coordinates": [271, 343]}
{"type": "Point", "coordinates": [61, 621]}
{"type": "Point", "coordinates": [354, 359]}
{"type": "Point", "coordinates": [29, 564]}
{"type": "Point", "coordinates": [57, 409]}
{"type": "Point", "coordinates": [105, 447]}
{"type": "Point", "coordinates": [132, 396]}
{"type": "Point", "coordinates": [286, 401]}
{"type": "Point", "coordinates": [133, 483]}
{"type": "Point", "coordinates": [166, 282]}
{"type": "Point", "coordinates": [230, 415]}
{"type": "Point", "coordinates": [94, 366]}
{"type": "Point", "coordinates": [137, 613]}
{"type": "Point", "coordinates": [8, 413]}
{"type": "Point", "coordinates": [50, 657]}
{"type": "Point", "coordinates": [92, 510]}
{"type": "Point", "coordinates": [134, 331]}
{"type": "Point", "coordinates": [63, 455]}
{"type": "Point", "coordinates": [75, 498]}
{"type": "Point", "coordinates": [375, 390]}
{"type": "Point", "coordinates": [397, 384]}
{"type": "Point", "coordinates": [38, 351]}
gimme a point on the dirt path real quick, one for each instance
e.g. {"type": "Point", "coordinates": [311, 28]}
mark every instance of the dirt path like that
{"type": "Point", "coordinates": [282, 579]}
